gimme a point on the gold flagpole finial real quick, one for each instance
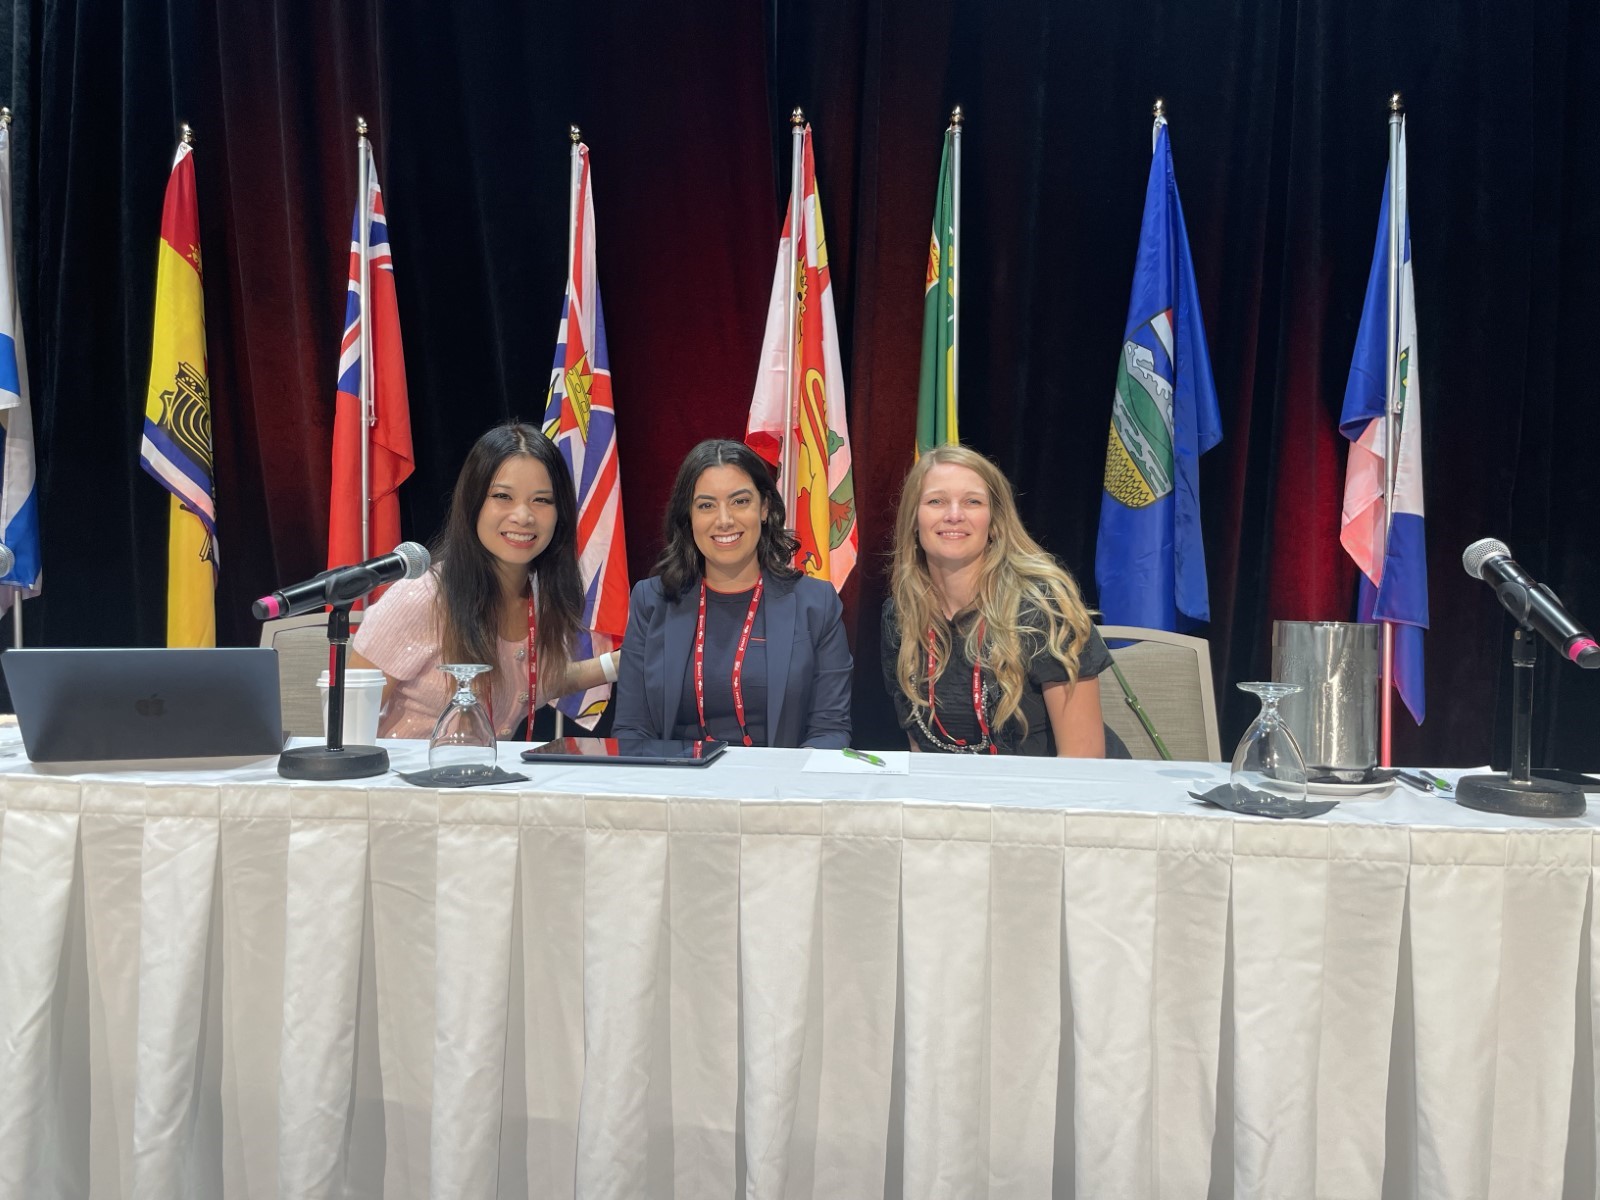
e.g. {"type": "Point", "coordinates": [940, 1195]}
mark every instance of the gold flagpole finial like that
{"type": "Point", "coordinates": [186, 133]}
{"type": "Point", "coordinates": [1396, 104]}
{"type": "Point", "coordinates": [575, 134]}
{"type": "Point", "coordinates": [1159, 109]}
{"type": "Point", "coordinates": [5, 117]}
{"type": "Point", "coordinates": [797, 118]}
{"type": "Point", "coordinates": [957, 117]}
{"type": "Point", "coordinates": [361, 127]}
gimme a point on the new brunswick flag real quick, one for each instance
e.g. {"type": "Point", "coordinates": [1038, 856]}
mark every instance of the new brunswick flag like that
{"type": "Point", "coordinates": [176, 448]}
{"type": "Point", "coordinates": [803, 431]}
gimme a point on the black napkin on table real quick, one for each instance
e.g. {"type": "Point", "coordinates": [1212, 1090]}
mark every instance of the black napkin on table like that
{"type": "Point", "coordinates": [430, 779]}
{"type": "Point", "coordinates": [1248, 801]}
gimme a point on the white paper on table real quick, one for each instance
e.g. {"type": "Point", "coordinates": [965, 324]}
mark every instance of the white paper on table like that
{"type": "Point", "coordinates": [837, 762]}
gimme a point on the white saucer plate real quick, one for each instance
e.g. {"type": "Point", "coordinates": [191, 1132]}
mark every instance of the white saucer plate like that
{"type": "Point", "coordinates": [1352, 791]}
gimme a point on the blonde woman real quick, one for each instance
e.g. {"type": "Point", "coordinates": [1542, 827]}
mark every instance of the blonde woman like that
{"type": "Point", "coordinates": [987, 645]}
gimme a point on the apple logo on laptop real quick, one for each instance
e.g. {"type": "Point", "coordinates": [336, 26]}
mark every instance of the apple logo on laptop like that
{"type": "Point", "coordinates": [152, 706]}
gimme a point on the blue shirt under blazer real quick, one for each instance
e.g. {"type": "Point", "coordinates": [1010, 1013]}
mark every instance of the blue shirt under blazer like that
{"type": "Point", "coordinates": [808, 662]}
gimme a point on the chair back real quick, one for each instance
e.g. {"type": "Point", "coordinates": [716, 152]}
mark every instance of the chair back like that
{"type": "Point", "coordinates": [302, 646]}
{"type": "Point", "coordinates": [1170, 673]}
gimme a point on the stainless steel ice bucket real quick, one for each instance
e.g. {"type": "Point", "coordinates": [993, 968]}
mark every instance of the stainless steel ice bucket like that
{"type": "Point", "coordinates": [1334, 716]}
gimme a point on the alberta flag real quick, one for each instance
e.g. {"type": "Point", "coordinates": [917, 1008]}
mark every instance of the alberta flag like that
{"type": "Point", "coordinates": [1150, 562]}
{"type": "Point", "coordinates": [581, 419]}
{"type": "Point", "coordinates": [19, 502]}
{"type": "Point", "coordinates": [1389, 549]}
{"type": "Point", "coordinates": [371, 400]}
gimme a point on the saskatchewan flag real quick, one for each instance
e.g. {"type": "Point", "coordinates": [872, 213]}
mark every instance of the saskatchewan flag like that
{"type": "Point", "coordinates": [936, 394]}
{"type": "Point", "coordinates": [177, 416]}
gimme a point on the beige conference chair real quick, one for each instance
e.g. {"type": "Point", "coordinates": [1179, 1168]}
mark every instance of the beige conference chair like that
{"type": "Point", "coordinates": [302, 646]}
{"type": "Point", "coordinates": [1170, 673]}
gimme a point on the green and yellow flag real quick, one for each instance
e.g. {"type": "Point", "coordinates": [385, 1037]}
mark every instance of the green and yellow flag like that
{"type": "Point", "coordinates": [936, 395]}
{"type": "Point", "coordinates": [177, 416]}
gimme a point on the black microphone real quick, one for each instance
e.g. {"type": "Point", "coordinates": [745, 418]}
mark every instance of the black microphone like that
{"type": "Point", "coordinates": [1532, 604]}
{"type": "Point", "coordinates": [344, 585]}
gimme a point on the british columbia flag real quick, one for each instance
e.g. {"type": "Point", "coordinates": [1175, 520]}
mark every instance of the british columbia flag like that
{"type": "Point", "coordinates": [581, 419]}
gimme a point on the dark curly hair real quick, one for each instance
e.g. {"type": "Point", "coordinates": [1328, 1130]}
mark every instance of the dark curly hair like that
{"type": "Point", "coordinates": [681, 564]}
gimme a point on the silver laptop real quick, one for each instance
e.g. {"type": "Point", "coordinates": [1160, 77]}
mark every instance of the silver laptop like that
{"type": "Point", "coordinates": [115, 705]}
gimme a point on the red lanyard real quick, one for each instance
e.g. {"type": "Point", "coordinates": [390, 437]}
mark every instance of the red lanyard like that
{"type": "Point", "coordinates": [977, 696]}
{"type": "Point", "coordinates": [738, 663]}
{"type": "Point", "coordinates": [533, 674]}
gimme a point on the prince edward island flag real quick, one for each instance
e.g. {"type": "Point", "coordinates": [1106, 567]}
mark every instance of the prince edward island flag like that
{"type": "Point", "coordinates": [1150, 562]}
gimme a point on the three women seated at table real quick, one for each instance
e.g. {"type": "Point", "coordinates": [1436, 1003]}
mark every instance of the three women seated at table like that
{"type": "Point", "coordinates": [987, 646]}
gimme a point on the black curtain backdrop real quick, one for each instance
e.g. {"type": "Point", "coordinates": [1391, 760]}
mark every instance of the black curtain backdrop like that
{"type": "Point", "coordinates": [1278, 129]}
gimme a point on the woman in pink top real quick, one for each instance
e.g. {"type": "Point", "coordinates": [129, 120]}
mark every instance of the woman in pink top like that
{"type": "Point", "coordinates": [504, 590]}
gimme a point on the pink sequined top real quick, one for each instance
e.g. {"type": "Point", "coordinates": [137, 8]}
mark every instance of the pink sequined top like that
{"type": "Point", "coordinates": [400, 636]}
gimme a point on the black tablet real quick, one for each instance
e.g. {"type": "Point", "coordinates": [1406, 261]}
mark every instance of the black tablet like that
{"type": "Point", "coordinates": [636, 752]}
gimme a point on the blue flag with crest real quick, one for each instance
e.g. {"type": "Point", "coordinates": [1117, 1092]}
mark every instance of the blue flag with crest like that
{"type": "Point", "coordinates": [1150, 560]}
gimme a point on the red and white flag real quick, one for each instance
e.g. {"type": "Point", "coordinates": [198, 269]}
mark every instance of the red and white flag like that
{"type": "Point", "coordinates": [386, 421]}
{"type": "Point", "coordinates": [797, 418]}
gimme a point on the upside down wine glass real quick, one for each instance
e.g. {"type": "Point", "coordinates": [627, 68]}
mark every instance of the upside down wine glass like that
{"type": "Point", "coordinates": [462, 744]}
{"type": "Point", "coordinates": [1268, 758]}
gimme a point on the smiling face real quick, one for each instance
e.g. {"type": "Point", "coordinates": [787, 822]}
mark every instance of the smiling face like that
{"type": "Point", "coordinates": [518, 517]}
{"type": "Point", "coordinates": [726, 513]}
{"type": "Point", "coordinates": [953, 516]}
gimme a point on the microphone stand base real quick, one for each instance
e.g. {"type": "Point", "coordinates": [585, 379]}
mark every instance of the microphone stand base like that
{"type": "Point", "coordinates": [1518, 798]}
{"type": "Point", "coordinates": [348, 762]}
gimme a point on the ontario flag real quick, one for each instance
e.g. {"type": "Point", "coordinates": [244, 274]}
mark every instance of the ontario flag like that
{"type": "Point", "coordinates": [371, 402]}
{"type": "Point", "coordinates": [797, 420]}
{"type": "Point", "coordinates": [176, 447]}
{"type": "Point", "coordinates": [1388, 547]}
{"type": "Point", "coordinates": [582, 420]}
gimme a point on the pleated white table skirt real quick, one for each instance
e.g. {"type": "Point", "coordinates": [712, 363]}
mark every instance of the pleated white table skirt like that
{"type": "Point", "coordinates": [981, 978]}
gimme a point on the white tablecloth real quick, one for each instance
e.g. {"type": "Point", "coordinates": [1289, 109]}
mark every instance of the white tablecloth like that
{"type": "Point", "coordinates": [979, 978]}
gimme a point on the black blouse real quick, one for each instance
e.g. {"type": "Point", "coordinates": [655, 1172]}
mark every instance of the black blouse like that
{"type": "Point", "coordinates": [953, 691]}
{"type": "Point", "coordinates": [725, 613]}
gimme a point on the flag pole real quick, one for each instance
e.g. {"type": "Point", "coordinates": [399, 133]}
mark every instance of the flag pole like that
{"type": "Point", "coordinates": [16, 600]}
{"type": "Point", "coordinates": [1392, 412]}
{"type": "Point", "coordinates": [797, 233]}
{"type": "Point", "coordinates": [574, 177]}
{"type": "Point", "coordinates": [957, 118]}
{"type": "Point", "coordinates": [368, 412]}
{"type": "Point", "coordinates": [574, 181]}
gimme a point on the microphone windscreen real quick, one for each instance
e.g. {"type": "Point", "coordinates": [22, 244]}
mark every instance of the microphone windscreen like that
{"type": "Point", "coordinates": [1480, 552]}
{"type": "Point", "coordinates": [416, 558]}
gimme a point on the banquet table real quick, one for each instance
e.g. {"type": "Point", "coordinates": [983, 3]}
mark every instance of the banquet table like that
{"type": "Point", "coordinates": [788, 974]}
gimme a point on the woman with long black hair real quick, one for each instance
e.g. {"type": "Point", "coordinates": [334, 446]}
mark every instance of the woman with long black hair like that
{"type": "Point", "coordinates": [504, 590]}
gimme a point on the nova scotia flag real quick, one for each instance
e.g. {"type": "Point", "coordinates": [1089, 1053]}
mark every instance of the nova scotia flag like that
{"type": "Point", "coordinates": [19, 497]}
{"type": "Point", "coordinates": [1388, 547]}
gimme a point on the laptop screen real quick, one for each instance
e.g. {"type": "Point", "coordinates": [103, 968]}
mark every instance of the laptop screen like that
{"type": "Point", "coordinates": [76, 705]}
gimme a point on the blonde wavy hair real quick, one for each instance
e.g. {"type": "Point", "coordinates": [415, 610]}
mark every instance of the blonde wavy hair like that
{"type": "Point", "coordinates": [1017, 574]}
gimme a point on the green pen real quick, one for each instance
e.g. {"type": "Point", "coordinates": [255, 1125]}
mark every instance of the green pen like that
{"type": "Point", "coordinates": [864, 757]}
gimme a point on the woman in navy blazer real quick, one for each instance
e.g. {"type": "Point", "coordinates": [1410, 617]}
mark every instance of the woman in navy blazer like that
{"type": "Point", "coordinates": [774, 664]}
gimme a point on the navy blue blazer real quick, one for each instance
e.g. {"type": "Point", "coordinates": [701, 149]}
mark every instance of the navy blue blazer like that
{"type": "Point", "coordinates": [808, 662]}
